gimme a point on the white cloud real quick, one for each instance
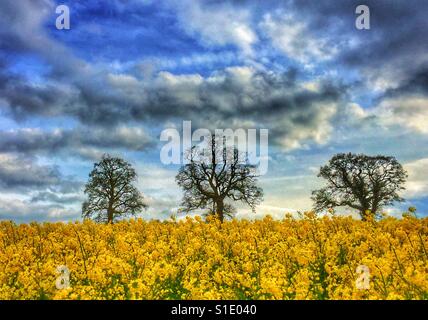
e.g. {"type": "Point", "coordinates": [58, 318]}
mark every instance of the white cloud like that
{"type": "Point", "coordinates": [293, 38]}
{"type": "Point", "coordinates": [22, 210]}
{"type": "Point", "coordinates": [319, 133]}
{"type": "Point", "coordinates": [417, 183]}
{"type": "Point", "coordinates": [156, 178]}
{"type": "Point", "coordinates": [217, 24]}
{"type": "Point", "coordinates": [123, 81]}
{"type": "Point", "coordinates": [148, 68]}
{"type": "Point", "coordinates": [408, 112]}
{"type": "Point", "coordinates": [159, 188]}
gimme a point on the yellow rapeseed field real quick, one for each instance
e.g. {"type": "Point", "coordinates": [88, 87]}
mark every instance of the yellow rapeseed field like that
{"type": "Point", "coordinates": [307, 258]}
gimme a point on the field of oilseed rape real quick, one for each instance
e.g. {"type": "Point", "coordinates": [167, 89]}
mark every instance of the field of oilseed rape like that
{"type": "Point", "coordinates": [308, 258]}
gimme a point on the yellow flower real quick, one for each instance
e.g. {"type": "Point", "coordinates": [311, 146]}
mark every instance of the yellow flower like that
{"type": "Point", "coordinates": [305, 258]}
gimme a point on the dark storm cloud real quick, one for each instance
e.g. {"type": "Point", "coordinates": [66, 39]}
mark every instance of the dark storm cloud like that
{"type": "Point", "coordinates": [89, 101]}
{"type": "Point", "coordinates": [393, 50]}
{"type": "Point", "coordinates": [81, 141]}
{"type": "Point", "coordinates": [237, 96]}
{"type": "Point", "coordinates": [24, 98]}
{"type": "Point", "coordinates": [51, 197]}
{"type": "Point", "coordinates": [397, 31]}
{"type": "Point", "coordinates": [22, 173]}
{"type": "Point", "coordinates": [236, 92]}
{"type": "Point", "coordinates": [397, 26]}
{"type": "Point", "coordinates": [416, 83]}
{"type": "Point", "coordinates": [233, 95]}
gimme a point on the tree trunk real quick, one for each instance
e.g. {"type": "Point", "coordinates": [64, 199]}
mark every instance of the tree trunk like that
{"type": "Point", "coordinates": [364, 215]}
{"type": "Point", "coordinates": [220, 209]}
{"type": "Point", "coordinates": [374, 208]}
{"type": "Point", "coordinates": [110, 212]}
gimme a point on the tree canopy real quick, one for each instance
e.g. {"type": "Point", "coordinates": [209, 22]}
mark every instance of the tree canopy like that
{"type": "Point", "coordinates": [358, 181]}
{"type": "Point", "coordinates": [215, 174]}
{"type": "Point", "coordinates": [110, 190]}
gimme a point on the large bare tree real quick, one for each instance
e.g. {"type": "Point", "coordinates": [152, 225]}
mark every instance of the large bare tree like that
{"type": "Point", "coordinates": [365, 183]}
{"type": "Point", "coordinates": [216, 174]}
{"type": "Point", "coordinates": [110, 190]}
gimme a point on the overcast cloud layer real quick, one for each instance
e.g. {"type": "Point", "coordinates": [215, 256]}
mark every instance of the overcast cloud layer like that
{"type": "Point", "coordinates": [129, 69]}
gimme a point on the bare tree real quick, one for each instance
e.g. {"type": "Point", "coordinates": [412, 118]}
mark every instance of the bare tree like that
{"type": "Point", "coordinates": [360, 182]}
{"type": "Point", "coordinates": [216, 174]}
{"type": "Point", "coordinates": [110, 191]}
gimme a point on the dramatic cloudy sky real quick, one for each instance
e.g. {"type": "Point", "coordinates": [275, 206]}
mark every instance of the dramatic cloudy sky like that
{"type": "Point", "coordinates": [130, 68]}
